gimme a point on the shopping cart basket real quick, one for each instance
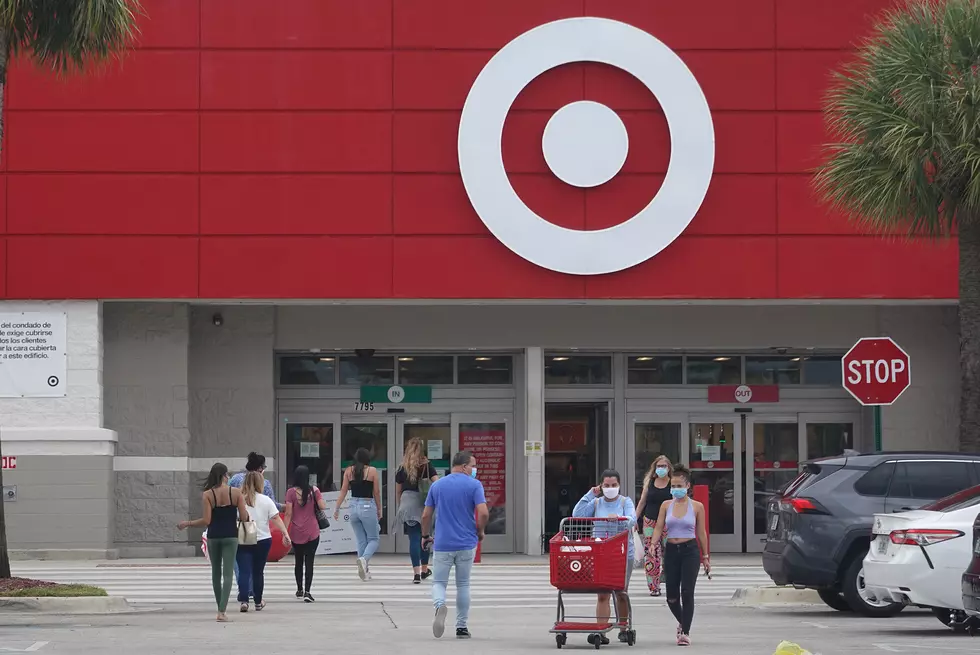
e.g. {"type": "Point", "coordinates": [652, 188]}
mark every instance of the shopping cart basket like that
{"type": "Point", "coordinates": [591, 556]}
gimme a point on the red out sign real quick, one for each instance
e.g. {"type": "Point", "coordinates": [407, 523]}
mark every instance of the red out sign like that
{"type": "Point", "coordinates": [876, 371]}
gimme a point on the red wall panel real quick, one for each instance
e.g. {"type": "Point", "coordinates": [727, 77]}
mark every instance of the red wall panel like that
{"type": "Point", "coordinates": [308, 149]}
{"type": "Point", "coordinates": [296, 267]}
{"type": "Point", "coordinates": [101, 267]}
{"type": "Point", "coordinates": [3, 267]}
{"type": "Point", "coordinates": [146, 79]}
{"type": "Point", "coordinates": [296, 24]}
{"type": "Point", "coordinates": [296, 204]}
{"type": "Point", "coordinates": [102, 141]}
{"type": "Point", "coordinates": [121, 204]}
{"type": "Point", "coordinates": [334, 142]}
{"type": "Point", "coordinates": [863, 267]}
{"type": "Point", "coordinates": [301, 79]}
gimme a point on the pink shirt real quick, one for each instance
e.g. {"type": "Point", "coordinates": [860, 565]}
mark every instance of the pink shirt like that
{"type": "Point", "coordinates": [303, 528]}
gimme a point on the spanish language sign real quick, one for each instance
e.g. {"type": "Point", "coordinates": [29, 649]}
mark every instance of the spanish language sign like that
{"type": "Point", "coordinates": [33, 354]}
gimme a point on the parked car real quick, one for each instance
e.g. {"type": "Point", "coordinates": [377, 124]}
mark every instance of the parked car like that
{"type": "Point", "coordinates": [971, 578]}
{"type": "Point", "coordinates": [819, 526]}
{"type": "Point", "coordinates": [918, 557]}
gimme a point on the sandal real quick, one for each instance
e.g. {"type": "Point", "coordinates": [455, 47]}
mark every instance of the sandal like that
{"type": "Point", "coordinates": [260, 606]}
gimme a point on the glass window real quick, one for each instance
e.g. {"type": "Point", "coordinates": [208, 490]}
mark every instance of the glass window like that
{"type": "Point", "coordinates": [426, 369]}
{"type": "Point", "coordinates": [485, 369]}
{"type": "Point", "coordinates": [712, 457]}
{"type": "Point", "coordinates": [653, 440]}
{"type": "Point", "coordinates": [577, 369]}
{"type": "Point", "coordinates": [723, 369]}
{"type": "Point", "coordinates": [436, 444]}
{"type": "Point", "coordinates": [646, 369]}
{"type": "Point", "coordinates": [822, 371]}
{"type": "Point", "coordinates": [308, 370]}
{"type": "Point", "coordinates": [962, 500]}
{"type": "Point", "coordinates": [488, 444]}
{"type": "Point", "coordinates": [310, 445]}
{"type": "Point", "coordinates": [772, 370]}
{"type": "Point", "coordinates": [367, 370]}
{"type": "Point", "coordinates": [929, 480]}
{"type": "Point", "coordinates": [374, 437]}
{"type": "Point", "coordinates": [875, 481]}
{"type": "Point", "coordinates": [828, 439]}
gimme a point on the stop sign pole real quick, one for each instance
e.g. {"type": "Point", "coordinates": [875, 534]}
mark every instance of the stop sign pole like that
{"type": "Point", "coordinates": [876, 371]}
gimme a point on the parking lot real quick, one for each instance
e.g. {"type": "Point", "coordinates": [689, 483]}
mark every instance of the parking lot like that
{"type": "Point", "coordinates": [720, 629]}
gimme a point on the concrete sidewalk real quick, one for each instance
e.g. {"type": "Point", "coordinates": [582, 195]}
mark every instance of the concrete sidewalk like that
{"type": "Point", "coordinates": [720, 560]}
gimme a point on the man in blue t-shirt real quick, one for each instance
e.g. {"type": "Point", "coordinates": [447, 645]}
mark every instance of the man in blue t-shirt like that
{"type": "Point", "coordinates": [461, 517]}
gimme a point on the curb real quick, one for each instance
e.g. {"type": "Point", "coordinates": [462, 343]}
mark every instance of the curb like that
{"type": "Point", "coordinates": [80, 605]}
{"type": "Point", "coordinates": [775, 596]}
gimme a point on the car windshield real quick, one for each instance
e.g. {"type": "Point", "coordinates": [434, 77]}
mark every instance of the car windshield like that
{"type": "Point", "coordinates": [960, 500]}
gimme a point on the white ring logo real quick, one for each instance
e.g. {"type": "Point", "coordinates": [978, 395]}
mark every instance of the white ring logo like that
{"type": "Point", "coordinates": [599, 151]}
{"type": "Point", "coordinates": [575, 565]}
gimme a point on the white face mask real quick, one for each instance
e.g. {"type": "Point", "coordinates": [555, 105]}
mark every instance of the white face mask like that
{"type": "Point", "coordinates": [610, 492]}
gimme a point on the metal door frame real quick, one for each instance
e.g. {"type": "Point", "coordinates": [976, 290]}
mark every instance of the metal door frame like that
{"type": "Point", "coordinates": [725, 543]}
{"type": "Point", "coordinates": [755, 543]}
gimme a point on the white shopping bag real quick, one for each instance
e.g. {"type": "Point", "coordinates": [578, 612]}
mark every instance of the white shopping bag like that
{"type": "Point", "coordinates": [638, 551]}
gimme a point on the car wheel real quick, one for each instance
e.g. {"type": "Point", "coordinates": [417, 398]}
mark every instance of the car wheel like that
{"type": "Point", "coordinates": [834, 599]}
{"type": "Point", "coordinates": [858, 597]}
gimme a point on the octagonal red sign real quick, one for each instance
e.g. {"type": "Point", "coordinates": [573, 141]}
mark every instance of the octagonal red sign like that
{"type": "Point", "coordinates": [876, 371]}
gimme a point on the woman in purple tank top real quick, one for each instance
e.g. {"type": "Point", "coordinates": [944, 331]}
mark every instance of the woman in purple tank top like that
{"type": "Point", "coordinates": [683, 519]}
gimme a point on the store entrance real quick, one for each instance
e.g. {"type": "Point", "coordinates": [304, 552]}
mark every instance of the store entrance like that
{"type": "Point", "coordinates": [742, 459]}
{"type": "Point", "coordinates": [576, 452]}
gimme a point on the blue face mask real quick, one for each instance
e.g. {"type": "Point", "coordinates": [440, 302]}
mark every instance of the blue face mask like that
{"type": "Point", "coordinates": [661, 471]}
{"type": "Point", "coordinates": [473, 472]}
{"type": "Point", "coordinates": [678, 493]}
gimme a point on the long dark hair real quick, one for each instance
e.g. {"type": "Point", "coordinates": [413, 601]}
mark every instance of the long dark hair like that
{"type": "Point", "coordinates": [362, 458]}
{"type": "Point", "coordinates": [301, 480]}
{"type": "Point", "coordinates": [216, 477]}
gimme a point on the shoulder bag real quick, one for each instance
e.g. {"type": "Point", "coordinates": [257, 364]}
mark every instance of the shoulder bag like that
{"type": "Point", "coordinates": [321, 515]}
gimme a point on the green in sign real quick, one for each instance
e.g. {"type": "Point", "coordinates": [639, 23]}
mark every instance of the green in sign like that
{"type": "Point", "coordinates": [396, 394]}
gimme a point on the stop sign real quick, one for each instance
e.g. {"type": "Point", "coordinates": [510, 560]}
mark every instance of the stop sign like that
{"type": "Point", "coordinates": [876, 371]}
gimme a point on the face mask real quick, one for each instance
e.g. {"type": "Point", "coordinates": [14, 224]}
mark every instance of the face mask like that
{"type": "Point", "coordinates": [661, 471]}
{"type": "Point", "coordinates": [473, 472]}
{"type": "Point", "coordinates": [678, 493]}
{"type": "Point", "coordinates": [610, 492]}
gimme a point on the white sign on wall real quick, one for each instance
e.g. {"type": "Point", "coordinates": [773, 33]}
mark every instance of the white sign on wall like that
{"type": "Point", "coordinates": [585, 144]}
{"type": "Point", "coordinates": [33, 354]}
{"type": "Point", "coordinates": [339, 537]}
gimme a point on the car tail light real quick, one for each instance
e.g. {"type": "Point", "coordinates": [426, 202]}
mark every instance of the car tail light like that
{"type": "Point", "coordinates": [805, 506]}
{"type": "Point", "coordinates": [917, 537]}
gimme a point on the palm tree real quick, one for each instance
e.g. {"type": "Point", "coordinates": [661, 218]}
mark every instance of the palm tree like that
{"type": "Point", "coordinates": [906, 120]}
{"type": "Point", "coordinates": [63, 36]}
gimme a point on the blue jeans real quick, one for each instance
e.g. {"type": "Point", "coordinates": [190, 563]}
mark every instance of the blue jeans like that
{"type": "Point", "coordinates": [251, 589]}
{"type": "Point", "coordinates": [442, 562]}
{"type": "Point", "coordinates": [364, 522]}
{"type": "Point", "coordinates": [251, 565]}
{"type": "Point", "coordinates": [419, 555]}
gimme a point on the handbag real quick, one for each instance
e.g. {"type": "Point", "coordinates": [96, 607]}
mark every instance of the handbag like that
{"type": "Point", "coordinates": [321, 515]}
{"type": "Point", "coordinates": [248, 534]}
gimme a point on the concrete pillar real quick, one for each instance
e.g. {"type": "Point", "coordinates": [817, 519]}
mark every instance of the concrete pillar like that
{"type": "Point", "coordinates": [534, 431]}
{"type": "Point", "coordinates": [64, 500]}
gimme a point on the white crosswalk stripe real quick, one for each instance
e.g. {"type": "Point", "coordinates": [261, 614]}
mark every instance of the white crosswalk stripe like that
{"type": "Point", "coordinates": [508, 586]}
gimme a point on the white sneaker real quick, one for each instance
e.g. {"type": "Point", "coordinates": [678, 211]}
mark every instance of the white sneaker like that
{"type": "Point", "coordinates": [361, 568]}
{"type": "Point", "coordinates": [439, 623]}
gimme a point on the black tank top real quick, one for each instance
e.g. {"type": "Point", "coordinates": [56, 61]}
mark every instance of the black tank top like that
{"type": "Point", "coordinates": [224, 520]}
{"type": "Point", "coordinates": [361, 488]}
{"type": "Point", "coordinates": [655, 498]}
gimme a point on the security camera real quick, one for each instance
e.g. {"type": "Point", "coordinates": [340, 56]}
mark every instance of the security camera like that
{"type": "Point", "coordinates": [364, 352]}
{"type": "Point", "coordinates": [218, 320]}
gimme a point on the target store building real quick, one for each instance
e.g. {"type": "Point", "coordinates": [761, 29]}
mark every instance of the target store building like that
{"type": "Point", "coordinates": [559, 233]}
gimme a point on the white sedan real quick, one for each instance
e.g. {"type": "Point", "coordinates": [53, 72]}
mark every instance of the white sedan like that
{"type": "Point", "coordinates": [918, 557]}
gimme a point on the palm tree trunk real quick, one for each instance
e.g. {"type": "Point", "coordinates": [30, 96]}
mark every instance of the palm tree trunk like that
{"type": "Point", "coordinates": [969, 244]}
{"type": "Point", "coordinates": [4, 57]}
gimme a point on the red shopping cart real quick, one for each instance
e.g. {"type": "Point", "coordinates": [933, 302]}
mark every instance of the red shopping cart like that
{"type": "Point", "coordinates": [591, 556]}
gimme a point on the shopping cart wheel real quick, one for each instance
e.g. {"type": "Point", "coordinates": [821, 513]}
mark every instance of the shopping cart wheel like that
{"type": "Point", "coordinates": [597, 641]}
{"type": "Point", "coordinates": [561, 639]}
{"type": "Point", "coordinates": [631, 637]}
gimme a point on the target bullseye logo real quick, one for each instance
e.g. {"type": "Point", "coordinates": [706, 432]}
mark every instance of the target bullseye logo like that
{"type": "Point", "coordinates": [575, 565]}
{"type": "Point", "coordinates": [585, 144]}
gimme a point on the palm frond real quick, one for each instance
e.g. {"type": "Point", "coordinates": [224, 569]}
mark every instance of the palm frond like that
{"type": "Point", "coordinates": [905, 122]}
{"type": "Point", "coordinates": [65, 35]}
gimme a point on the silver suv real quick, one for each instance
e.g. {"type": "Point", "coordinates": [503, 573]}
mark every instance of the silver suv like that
{"type": "Point", "coordinates": [819, 526]}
